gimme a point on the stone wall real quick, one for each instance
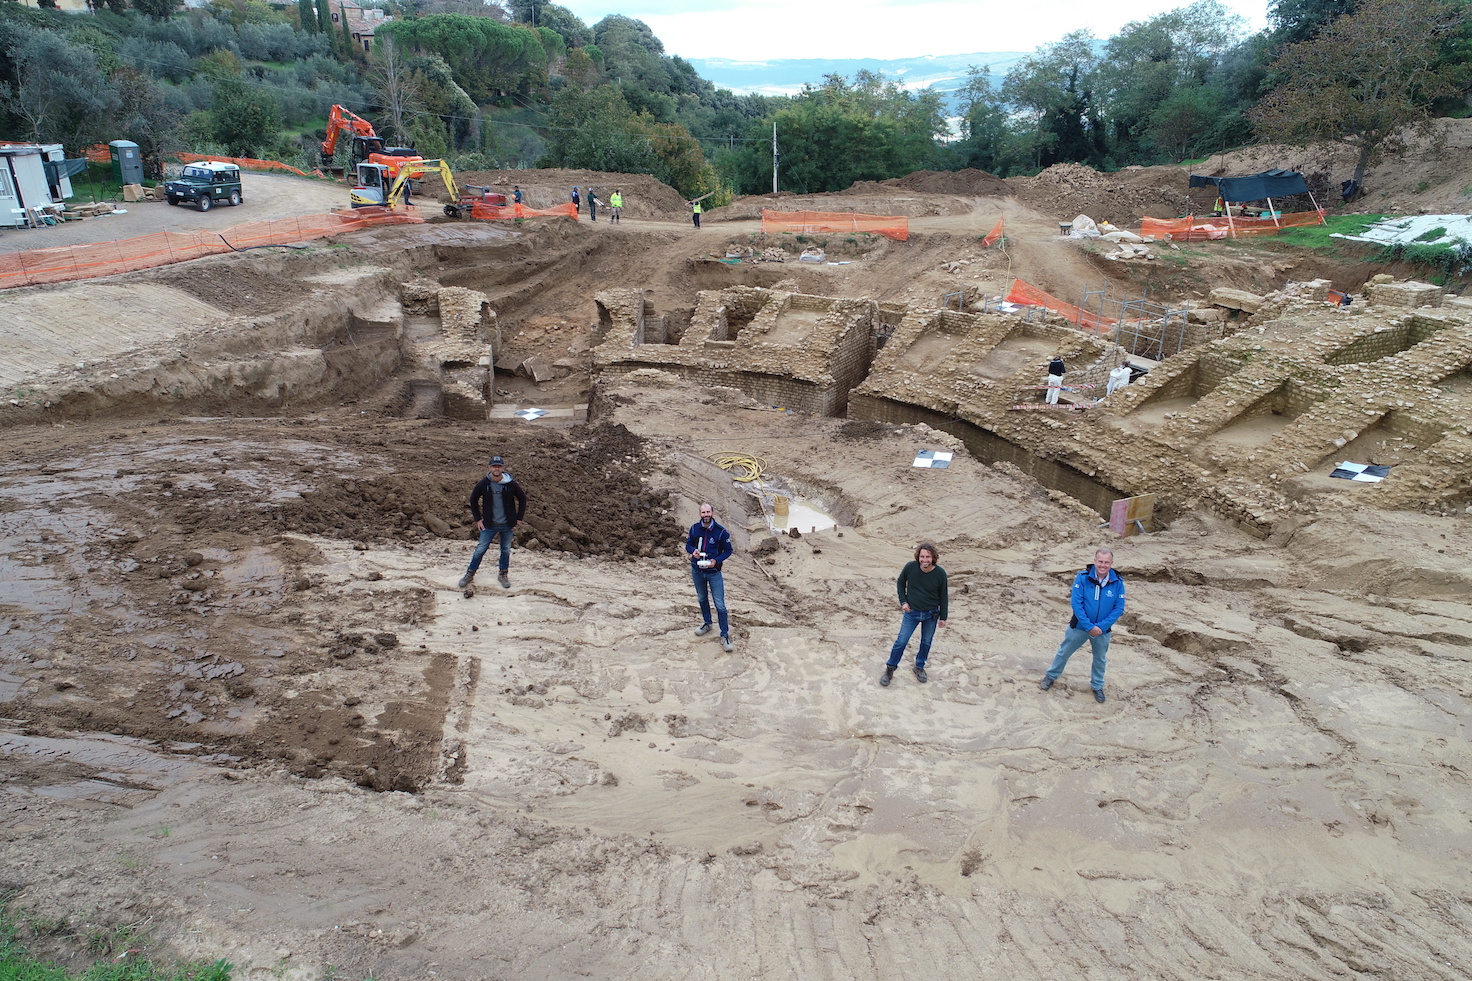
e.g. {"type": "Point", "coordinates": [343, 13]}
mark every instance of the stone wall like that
{"type": "Point", "coordinates": [738, 338]}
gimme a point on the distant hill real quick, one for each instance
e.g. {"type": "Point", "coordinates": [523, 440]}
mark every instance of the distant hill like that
{"type": "Point", "coordinates": [786, 76]}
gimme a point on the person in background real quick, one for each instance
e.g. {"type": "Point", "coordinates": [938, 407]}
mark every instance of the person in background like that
{"type": "Point", "coordinates": [924, 593]}
{"type": "Point", "coordinates": [695, 210]}
{"type": "Point", "coordinates": [577, 201]}
{"type": "Point", "coordinates": [592, 204]}
{"type": "Point", "coordinates": [616, 206]}
{"type": "Point", "coordinates": [1056, 368]}
{"type": "Point", "coordinates": [709, 546]}
{"type": "Point", "coordinates": [1118, 378]}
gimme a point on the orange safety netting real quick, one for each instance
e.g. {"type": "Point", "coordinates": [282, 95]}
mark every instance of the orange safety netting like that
{"type": "Point", "coordinates": [249, 163]}
{"type": "Point", "coordinates": [103, 154]}
{"type": "Point", "coordinates": [483, 209]}
{"type": "Point", "coordinates": [896, 227]}
{"type": "Point", "coordinates": [1026, 294]}
{"type": "Point", "coordinates": [993, 235]}
{"type": "Point", "coordinates": [108, 258]}
{"type": "Point", "coordinates": [1193, 229]}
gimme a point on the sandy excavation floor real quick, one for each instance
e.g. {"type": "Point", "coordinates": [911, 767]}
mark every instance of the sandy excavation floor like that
{"type": "Point", "coordinates": [245, 713]}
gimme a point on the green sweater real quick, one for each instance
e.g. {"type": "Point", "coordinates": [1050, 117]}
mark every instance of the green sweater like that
{"type": "Point", "coordinates": [924, 590]}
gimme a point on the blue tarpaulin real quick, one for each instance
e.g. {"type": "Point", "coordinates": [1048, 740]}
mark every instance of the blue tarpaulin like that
{"type": "Point", "coordinates": [1258, 187]}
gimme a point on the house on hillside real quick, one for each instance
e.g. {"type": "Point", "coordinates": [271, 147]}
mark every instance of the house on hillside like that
{"type": "Point", "coordinates": [362, 21]}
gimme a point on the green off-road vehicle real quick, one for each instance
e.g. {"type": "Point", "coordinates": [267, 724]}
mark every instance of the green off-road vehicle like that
{"type": "Point", "coordinates": [205, 184]}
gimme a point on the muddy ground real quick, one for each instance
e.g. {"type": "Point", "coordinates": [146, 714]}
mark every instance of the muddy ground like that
{"type": "Point", "coordinates": [248, 714]}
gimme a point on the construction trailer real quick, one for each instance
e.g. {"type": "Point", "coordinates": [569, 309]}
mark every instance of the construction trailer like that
{"type": "Point", "coordinates": [32, 176]}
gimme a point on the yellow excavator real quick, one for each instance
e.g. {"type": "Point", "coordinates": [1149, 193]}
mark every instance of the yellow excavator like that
{"type": "Point", "coordinates": [377, 187]}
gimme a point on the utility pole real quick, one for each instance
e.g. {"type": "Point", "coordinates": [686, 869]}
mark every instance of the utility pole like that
{"type": "Point", "coordinates": [775, 156]}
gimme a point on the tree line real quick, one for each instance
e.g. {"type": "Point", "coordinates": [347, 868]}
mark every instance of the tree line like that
{"type": "Point", "coordinates": [528, 83]}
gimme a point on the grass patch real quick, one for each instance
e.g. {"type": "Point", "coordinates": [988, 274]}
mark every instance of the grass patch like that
{"type": "Point", "coordinates": [1448, 260]}
{"type": "Point", "coordinates": [121, 948]}
{"type": "Point", "coordinates": [1317, 237]}
{"type": "Point", "coordinates": [1431, 235]}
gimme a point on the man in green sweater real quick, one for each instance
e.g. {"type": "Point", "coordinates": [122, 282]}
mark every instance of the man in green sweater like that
{"type": "Point", "coordinates": [924, 594]}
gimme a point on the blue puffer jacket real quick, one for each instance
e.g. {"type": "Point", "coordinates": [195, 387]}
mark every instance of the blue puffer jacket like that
{"type": "Point", "coordinates": [1097, 604]}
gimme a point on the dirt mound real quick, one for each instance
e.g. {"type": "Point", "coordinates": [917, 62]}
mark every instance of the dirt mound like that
{"type": "Point", "coordinates": [968, 181]}
{"type": "Point", "coordinates": [644, 195]}
{"type": "Point", "coordinates": [566, 475]}
{"type": "Point", "coordinates": [1123, 197]}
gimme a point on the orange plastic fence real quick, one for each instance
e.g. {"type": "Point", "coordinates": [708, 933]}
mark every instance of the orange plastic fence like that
{"type": "Point", "coordinates": [896, 227]}
{"type": "Point", "coordinates": [108, 258]}
{"type": "Point", "coordinates": [994, 235]}
{"type": "Point", "coordinates": [481, 209]}
{"type": "Point", "coordinates": [249, 163]}
{"type": "Point", "coordinates": [1029, 295]}
{"type": "Point", "coordinates": [102, 154]}
{"type": "Point", "coordinates": [1193, 229]}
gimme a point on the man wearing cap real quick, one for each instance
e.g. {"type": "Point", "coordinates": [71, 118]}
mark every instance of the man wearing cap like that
{"type": "Point", "coordinates": [498, 504]}
{"type": "Point", "coordinates": [709, 546]}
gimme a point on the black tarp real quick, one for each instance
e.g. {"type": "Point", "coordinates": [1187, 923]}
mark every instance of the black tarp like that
{"type": "Point", "coordinates": [1258, 187]}
{"type": "Point", "coordinates": [57, 169]}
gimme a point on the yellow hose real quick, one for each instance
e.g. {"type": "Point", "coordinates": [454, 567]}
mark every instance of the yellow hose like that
{"type": "Point", "coordinates": [746, 468]}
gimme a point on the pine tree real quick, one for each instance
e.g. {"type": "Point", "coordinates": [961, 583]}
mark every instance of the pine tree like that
{"type": "Point", "coordinates": [308, 16]}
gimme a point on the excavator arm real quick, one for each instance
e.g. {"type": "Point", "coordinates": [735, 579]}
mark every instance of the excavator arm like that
{"type": "Point", "coordinates": [341, 120]}
{"type": "Point", "coordinates": [419, 168]}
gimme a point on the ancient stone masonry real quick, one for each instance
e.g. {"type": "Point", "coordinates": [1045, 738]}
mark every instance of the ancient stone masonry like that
{"type": "Point", "coordinates": [1248, 425]}
{"type": "Point", "coordinates": [460, 359]}
{"type": "Point", "coordinates": [780, 348]}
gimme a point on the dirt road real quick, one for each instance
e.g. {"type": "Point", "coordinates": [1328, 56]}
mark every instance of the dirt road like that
{"type": "Point", "coordinates": [266, 196]}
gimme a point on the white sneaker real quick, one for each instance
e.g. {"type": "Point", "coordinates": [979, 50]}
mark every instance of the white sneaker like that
{"type": "Point", "coordinates": [702, 630]}
{"type": "Point", "coordinates": [726, 644]}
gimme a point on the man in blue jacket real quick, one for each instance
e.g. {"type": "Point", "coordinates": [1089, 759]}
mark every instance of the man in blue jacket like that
{"type": "Point", "coordinates": [1098, 601]}
{"type": "Point", "coordinates": [709, 546]}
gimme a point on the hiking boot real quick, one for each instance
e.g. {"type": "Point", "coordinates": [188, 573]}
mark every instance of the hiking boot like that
{"type": "Point", "coordinates": [921, 676]}
{"type": "Point", "coordinates": [1045, 684]}
{"type": "Point", "coordinates": [702, 630]}
{"type": "Point", "coordinates": [726, 644]}
{"type": "Point", "coordinates": [1098, 694]}
{"type": "Point", "coordinates": [505, 580]}
{"type": "Point", "coordinates": [465, 580]}
{"type": "Point", "coordinates": [887, 677]}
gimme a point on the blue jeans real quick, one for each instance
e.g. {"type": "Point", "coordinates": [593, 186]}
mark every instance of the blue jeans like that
{"type": "Point", "coordinates": [710, 579]}
{"type": "Point", "coordinates": [487, 535]}
{"type": "Point", "coordinates": [926, 621]}
{"type": "Point", "coordinates": [1073, 639]}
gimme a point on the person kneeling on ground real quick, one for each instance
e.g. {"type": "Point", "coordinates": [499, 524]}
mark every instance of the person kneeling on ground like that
{"type": "Point", "coordinates": [1098, 601]}
{"type": "Point", "coordinates": [924, 594]}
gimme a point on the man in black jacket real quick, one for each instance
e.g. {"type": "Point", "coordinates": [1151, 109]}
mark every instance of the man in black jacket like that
{"type": "Point", "coordinates": [498, 504]}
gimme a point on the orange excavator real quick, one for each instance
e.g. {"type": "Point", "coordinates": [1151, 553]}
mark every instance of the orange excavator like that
{"type": "Point", "coordinates": [367, 146]}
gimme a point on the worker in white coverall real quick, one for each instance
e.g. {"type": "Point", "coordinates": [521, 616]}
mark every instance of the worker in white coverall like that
{"type": "Point", "coordinates": [1118, 378]}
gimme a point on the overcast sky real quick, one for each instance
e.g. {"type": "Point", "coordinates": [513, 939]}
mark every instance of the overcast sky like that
{"type": "Point", "coordinates": [757, 30]}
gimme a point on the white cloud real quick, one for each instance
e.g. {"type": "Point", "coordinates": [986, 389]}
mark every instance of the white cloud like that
{"type": "Point", "coordinates": [768, 29]}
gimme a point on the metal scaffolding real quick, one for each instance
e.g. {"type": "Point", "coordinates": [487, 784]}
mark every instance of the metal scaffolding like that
{"type": "Point", "coordinates": [1142, 329]}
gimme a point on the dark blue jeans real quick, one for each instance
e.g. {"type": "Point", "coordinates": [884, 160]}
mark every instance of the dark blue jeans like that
{"type": "Point", "coordinates": [712, 581]}
{"type": "Point", "coordinates": [487, 535]}
{"type": "Point", "coordinates": [926, 621]}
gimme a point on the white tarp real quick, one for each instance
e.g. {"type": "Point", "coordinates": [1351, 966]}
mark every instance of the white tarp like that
{"type": "Point", "coordinates": [1406, 230]}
